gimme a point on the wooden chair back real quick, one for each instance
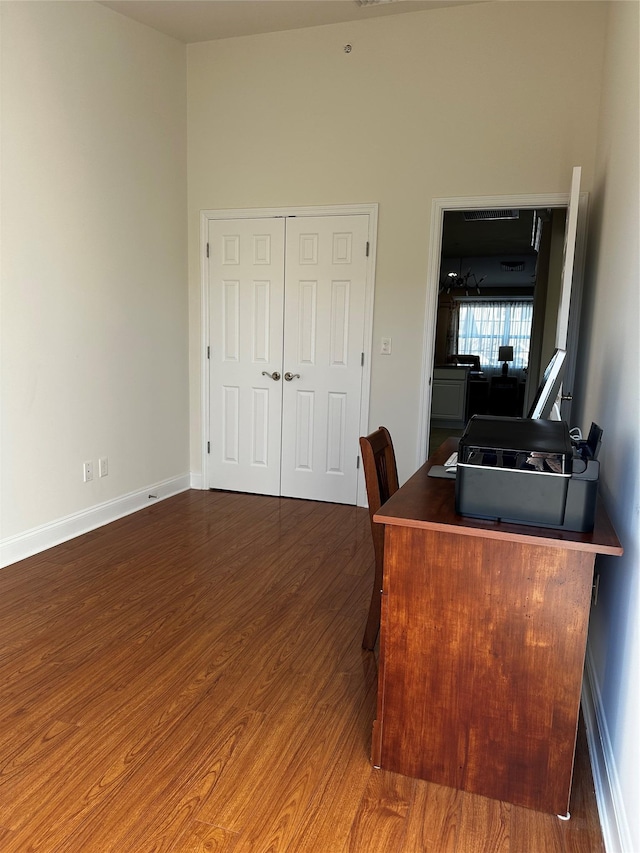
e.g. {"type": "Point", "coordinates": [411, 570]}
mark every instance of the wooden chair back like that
{"type": "Point", "coordinates": [381, 479]}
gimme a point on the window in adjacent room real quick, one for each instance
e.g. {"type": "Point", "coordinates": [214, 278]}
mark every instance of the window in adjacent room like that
{"type": "Point", "coordinates": [485, 326]}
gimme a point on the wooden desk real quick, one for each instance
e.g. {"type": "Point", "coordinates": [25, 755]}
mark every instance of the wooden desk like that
{"type": "Point", "coordinates": [482, 644]}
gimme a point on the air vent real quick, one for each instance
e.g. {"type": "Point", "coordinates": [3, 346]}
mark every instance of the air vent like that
{"type": "Point", "coordinates": [512, 266]}
{"type": "Point", "coordinates": [372, 2]}
{"type": "Point", "coordinates": [473, 215]}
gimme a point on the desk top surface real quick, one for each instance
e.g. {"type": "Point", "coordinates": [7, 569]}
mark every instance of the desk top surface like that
{"type": "Point", "coordinates": [429, 503]}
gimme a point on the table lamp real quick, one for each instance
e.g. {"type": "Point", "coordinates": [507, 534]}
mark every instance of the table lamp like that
{"type": "Point", "coordinates": [505, 354]}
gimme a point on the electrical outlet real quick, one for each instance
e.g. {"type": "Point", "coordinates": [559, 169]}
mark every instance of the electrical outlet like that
{"type": "Point", "coordinates": [103, 466]}
{"type": "Point", "coordinates": [385, 346]}
{"type": "Point", "coordinates": [87, 469]}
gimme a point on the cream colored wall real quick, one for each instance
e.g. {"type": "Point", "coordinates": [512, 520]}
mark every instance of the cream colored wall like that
{"type": "Point", "coordinates": [494, 98]}
{"type": "Point", "coordinates": [608, 392]}
{"type": "Point", "coordinates": [94, 301]}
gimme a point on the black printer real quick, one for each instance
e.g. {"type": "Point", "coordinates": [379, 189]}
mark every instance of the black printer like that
{"type": "Point", "coordinates": [525, 471]}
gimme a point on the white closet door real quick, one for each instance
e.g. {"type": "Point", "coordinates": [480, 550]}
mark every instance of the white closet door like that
{"type": "Point", "coordinates": [324, 332]}
{"type": "Point", "coordinates": [246, 293]}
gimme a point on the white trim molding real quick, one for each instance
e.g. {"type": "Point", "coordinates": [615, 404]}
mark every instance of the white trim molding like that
{"type": "Point", "coordinates": [197, 481]}
{"type": "Point", "coordinates": [613, 818]}
{"type": "Point", "coordinates": [23, 545]}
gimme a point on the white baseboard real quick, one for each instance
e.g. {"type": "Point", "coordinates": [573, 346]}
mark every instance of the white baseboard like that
{"type": "Point", "coordinates": [613, 819]}
{"type": "Point", "coordinates": [197, 481]}
{"type": "Point", "coordinates": [15, 548]}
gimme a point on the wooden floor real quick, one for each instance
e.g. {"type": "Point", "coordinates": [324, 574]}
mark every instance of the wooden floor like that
{"type": "Point", "coordinates": [190, 678]}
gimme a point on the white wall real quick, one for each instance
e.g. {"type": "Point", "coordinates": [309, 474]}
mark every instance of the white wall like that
{"type": "Point", "coordinates": [488, 99]}
{"type": "Point", "coordinates": [94, 297]}
{"type": "Point", "coordinates": [608, 392]}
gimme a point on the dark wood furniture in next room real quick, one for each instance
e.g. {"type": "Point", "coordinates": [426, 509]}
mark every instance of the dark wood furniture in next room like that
{"type": "Point", "coordinates": [482, 645]}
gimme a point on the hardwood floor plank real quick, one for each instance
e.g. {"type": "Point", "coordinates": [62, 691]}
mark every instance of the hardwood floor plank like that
{"type": "Point", "coordinates": [527, 824]}
{"type": "Point", "coordinates": [169, 785]}
{"type": "Point", "coordinates": [484, 825]}
{"type": "Point", "coordinates": [6, 840]}
{"type": "Point", "coordinates": [203, 838]}
{"type": "Point", "coordinates": [270, 820]}
{"type": "Point", "coordinates": [381, 819]}
{"type": "Point", "coordinates": [103, 637]}
{"type": "Point", "coordinates": [433, 819]}
{"type": "Point", "coordinates": [23, 756]}
{"type": "Point", "coordinates": [293, 701]}
{"type": "Point", "coordinates": [234, 797]}
{"type": "Point", "coordinates": [190, 678]}
{"type": "Point", "coordinates": [327, 822]}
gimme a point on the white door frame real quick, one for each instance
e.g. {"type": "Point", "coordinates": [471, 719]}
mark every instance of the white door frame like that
{"type": "Point", "coordinates": [371, 210]}
{"type": "Point", "coordinates": [438, 208]}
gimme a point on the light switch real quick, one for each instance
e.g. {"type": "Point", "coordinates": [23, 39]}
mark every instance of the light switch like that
{"type": "Point", "coordinates": [385, 346]}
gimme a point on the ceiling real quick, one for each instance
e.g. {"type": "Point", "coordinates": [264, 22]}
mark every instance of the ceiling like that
{"type": "Point", "coordinates": [490, 236]}
{"type": "Point", "coordinates": [191, 21]}
{"type": "Point", "coordinates": [486, 246]}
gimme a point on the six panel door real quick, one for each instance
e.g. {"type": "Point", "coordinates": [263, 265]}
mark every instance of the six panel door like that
{"type": "Point", "coordinates": [324, 331]}
{"type": "Point", "coordinates": [246, 298]}
{"type": "Point", "coordinates": [286, 325]}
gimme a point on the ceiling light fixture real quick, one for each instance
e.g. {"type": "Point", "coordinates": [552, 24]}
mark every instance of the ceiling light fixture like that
{"type": "Point", "coordinates": [454, 280]}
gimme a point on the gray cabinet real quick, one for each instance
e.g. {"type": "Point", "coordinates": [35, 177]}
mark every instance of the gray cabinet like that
{"type": "Point", "coordinates": [449, 396]}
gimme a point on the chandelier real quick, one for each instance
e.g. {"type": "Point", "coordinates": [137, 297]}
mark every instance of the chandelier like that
{"type": "Point", "coordinates": [457, 280]}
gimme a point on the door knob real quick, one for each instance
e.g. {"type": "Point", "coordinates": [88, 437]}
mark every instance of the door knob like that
{"type": "Point", "coordinates": [289, 376]}
{"type": "Point", "coordinates": [275, 375]}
